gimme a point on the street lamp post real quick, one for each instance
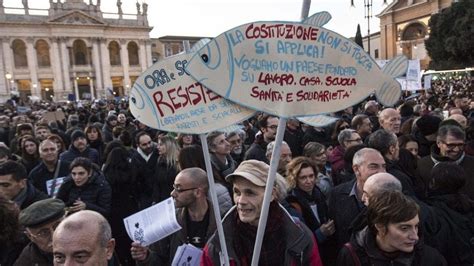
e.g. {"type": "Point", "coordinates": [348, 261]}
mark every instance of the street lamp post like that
{"type": "Point", "coordinates": [368, 15]}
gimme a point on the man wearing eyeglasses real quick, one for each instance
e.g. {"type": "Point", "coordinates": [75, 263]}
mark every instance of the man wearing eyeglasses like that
{"type": "Point", "coordinates": [450, 143]}
{"type": "Point", "coordinates": [194, 213]}
{"type": "Point", "coordinates": [40, 220]}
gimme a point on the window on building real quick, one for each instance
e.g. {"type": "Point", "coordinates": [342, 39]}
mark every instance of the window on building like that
{"type": "Point", "coordinates": [42, 53]}
{"type": "Point", "coordinates": [114, 53]}
{"type": "Point", "coordinates": [132, 48]}
{"type": "Point", "coordinates": [376, 53]}
{"type": "Point", "coordinates": [80, 53]}
{"type": "Point", "coordinates": [19, 53]}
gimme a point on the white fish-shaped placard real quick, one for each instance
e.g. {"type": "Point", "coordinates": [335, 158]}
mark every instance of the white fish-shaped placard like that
{"type": "Point", "coordinates": [293, 68]}
{"type": "Point", "coordinates": [165, 97]}
{"type": "Point", "coordinates": [318, 120]}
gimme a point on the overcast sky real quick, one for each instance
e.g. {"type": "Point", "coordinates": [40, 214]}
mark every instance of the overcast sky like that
{"type": "Point", "coordinates": [209, 18]}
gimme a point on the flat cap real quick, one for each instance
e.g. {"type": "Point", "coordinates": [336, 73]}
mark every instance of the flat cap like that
{"type": "Point", "coordinates": [42, 212]}
{"type": "Point", "coordinates": [252, 170]}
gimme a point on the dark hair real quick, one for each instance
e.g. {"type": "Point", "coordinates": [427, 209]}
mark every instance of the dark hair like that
{"type": "Point", "coordinates": [139, 135]}
{"type": "Point", "coordinates": [447, 178]}
{"type": "Point", "coordinates": [9, 225]}
{"type": "Point", "coordinates": [191, 156]}
{"type": "Point", "coordinates": [83, 162]}
{"type": "Point", "coordinates": [454, 131]}
{"type": "Point", "coordinates": [390, 207]}
{"type": "Point", "coordinates": [117, 168]}
{"type": "Point", "coordinates": [263, 120]}
{"type": "Point", "coordinates": [4, 151]}
{"type": "Point", "coordinates": [15, 169]}
{"type": "Point", "coordinates": [110, 146]}
{"type": "Point", "coordinates": [96, 128]}
{"type": "Point", "coordinates": [381, 140]}
{"type": "Point", "coordinates": [358, 120]}
{"type": "Point", "coordinates": [125, 138]}
{"type": "Point", "coordinates": [53, 138]}
{"type": "Point", "coordinates": [336, 130]}
{"type": "Point", "coordinates": [24, 154]}
{"type": "Point", "coordinates": [212, 136]}
{"type": "Point", "coordinates": [404, 139]}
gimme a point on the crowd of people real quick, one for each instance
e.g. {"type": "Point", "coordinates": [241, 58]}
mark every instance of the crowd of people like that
{"type": "Point", "coordinates": [380, 186]}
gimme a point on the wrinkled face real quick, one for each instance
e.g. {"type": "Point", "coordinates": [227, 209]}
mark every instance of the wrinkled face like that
{"type": "Point", "coordinates": [145, 144]}
{"type": "Point", "coordinates": [354, 140]}
{"type": "Point", "coordinates": [451, 147]}
{"type": "Point", "coordinates": [306, 179]}
{"type": "Point", "coordinates": [372, 163]}
{"type": "Point", "coordinates": [30, 147]}
{"type": "Point", "coordinates": [93, 134]}
{"type": "Point", "coordinates": [49, 151]}
{"type": "Point", "coordinates": [184, 191]}
{"type": "Point", "coordinates": [320, 158]}
{"type": "Point", "coordinates": [121, 118]}
{"type": "Point", "coordinates": [80, 247]}
{"type": "Point", "coordinates": [398, 236]}
{"type": "Point", "coordinates": [391, 121]}
{"type": "Point", "coordinates": [42, 235]}
{"type": "Point", "coordinates": [161, 147]}
{"type": "Point", "coordinates": [42, 133]}
{"type": "Point", "coordinates": [220, 146]}
{"type": "Point", "coordinates": [80, 175]}
{"type": "Point", "coordinates": [285, 155]}
{"type": "Point", "coordinates": [412, 146]}
{"type": "Point", "coordinates": [80, 143]}
{"type": "Point", "coordinates": [269, 132]}
{"type": "Point", "coordinates": [249, 199]}
{"type": "Point", "coordinates": [9, 188]}
{"type": "Point", "coordinates": [235, 144]}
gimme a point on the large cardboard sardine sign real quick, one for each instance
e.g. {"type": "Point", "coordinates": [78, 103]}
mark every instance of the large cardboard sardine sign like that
{"type": "Point", "coordinates": [165, 97]}
{"type": "Point", "coordinates": [293, 68]}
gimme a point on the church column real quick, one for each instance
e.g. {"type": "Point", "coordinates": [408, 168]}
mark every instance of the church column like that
{"type": "Point", "coordinates": [76, 88]}
{"type": "Point", "coordinates": [58, 77]}
{"type": "Point", "coordinates": [105, 64]}
{"type": "Point", "coordinates": [4, 83]}
{"type": "Point", "coordinates": [65, 66]}
{"type": "Point", "coordinates": [125, 64]}
{"type": "Point", "coordinates": [96, 62]}
{"type": "Point", "coordinates": [33, 67]}
{"type": "Point", "coordinates": [8, 59]}
{"type": "Point", "coordinates": [143, 59]}
{"type": "Point", "coordinates": [149, 58]}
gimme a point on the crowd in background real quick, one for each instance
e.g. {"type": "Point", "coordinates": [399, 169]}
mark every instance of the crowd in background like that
{"type": "Point", "coordinates": [100, 158]}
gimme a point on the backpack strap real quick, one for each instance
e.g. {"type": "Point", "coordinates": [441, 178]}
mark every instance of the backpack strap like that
{"type": "Point", "coordinates": [354, 256]}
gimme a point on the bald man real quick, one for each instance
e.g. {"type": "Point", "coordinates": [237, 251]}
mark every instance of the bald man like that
{"type": "Point", "coordinates": [390, 120]}
{"type": "Point", "coordinates": [379, 183]}
{"type": "Point", "coordinates": [461, 119]}
{"type": "Point", "coordinates": [83, 238]}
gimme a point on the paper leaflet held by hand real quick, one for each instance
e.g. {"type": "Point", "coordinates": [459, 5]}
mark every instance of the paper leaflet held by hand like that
{"type": "Point", "coordinates": [153, 223]}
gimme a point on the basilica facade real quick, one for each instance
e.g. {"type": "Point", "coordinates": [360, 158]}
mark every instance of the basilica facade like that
{"type": "Point", "coordinates": [72, 50]}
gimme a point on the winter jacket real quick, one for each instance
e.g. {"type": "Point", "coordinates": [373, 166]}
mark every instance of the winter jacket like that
{"type": "Point", "coordinates": [163, 251]}
{"type": "Point", "coordinates": [40, 174]}
{"type": "Point", "coordinates": [28, 196]}
{"type": "Point", "coordinates": [72, 153]}
{"type": "Point", "coordinates": [143, 174]}
{"type": "Point", "coordinates": [427, 163]}
{"type": "Point", "coordinates": [163, 180]}
{"type": "Point", "coordinates": [301, 247]}
{"type": "Point", "coordinates": [32, 255]}
{"type": "Point", "coordinates": [365, 248]}
{"type": "Point", "coordinates": [257, 150]}
{"type": "Point", "coordinates": [96, 193]}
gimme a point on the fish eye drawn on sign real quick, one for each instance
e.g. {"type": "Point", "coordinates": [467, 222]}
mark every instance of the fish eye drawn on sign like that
{"type": "Point", "coordinates": [293, 68]}
{"type": "Point", "coordinates": [165, 97]}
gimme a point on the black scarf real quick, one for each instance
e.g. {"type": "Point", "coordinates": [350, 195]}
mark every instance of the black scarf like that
{"type": "Point", "coordinates": [273, 245]}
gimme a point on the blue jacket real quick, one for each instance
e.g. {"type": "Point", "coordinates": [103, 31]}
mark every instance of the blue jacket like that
{"type": "Point", "coordinates": [73, 153]}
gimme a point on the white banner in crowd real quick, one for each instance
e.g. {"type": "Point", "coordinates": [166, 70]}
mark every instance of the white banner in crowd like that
{"type": "Point", "coordinates": [165, 97]}
{"type": "Point", "coordinates": [293, 68]}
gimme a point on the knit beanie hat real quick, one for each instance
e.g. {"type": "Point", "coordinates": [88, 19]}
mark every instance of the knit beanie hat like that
{"type": "Point", "coordinates": [77, 134]}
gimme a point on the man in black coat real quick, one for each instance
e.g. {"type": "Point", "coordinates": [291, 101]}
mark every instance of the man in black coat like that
{"type": "Point", "coordinates": [144, 162]}
{"type": "Point", "coordinates": [15, 186]}
{"type": "Point", "coordinates": [79, 148]}
{"type": "Point", "coordinates": [268, 127]}
{"type": "Point", "coordinates": [40, 219]}
{"type": "Point", "coordinates": [49, 168]}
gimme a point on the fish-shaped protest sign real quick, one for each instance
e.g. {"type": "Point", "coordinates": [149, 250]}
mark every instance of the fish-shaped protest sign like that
{"type": "Point", "coordinates": [165, 97]}
{"type": "Point", "coordinates": [293, 68]}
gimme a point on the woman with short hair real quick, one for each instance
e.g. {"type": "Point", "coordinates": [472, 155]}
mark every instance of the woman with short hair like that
{"type": "Point", "coordinates": [391, 236]}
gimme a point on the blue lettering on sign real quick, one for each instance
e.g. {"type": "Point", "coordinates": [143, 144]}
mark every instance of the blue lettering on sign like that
{"type": "Point", "coordinates": [235, 37]}
{"type": "Point", "coordinates": [295, 48]}
{"type": "Point", "coordinates": [247, 77]}
{"type": "Point", "coordinates": [326, 38]}
{"type": "Point", "coordinates": [261, 47]}
{"type": "Point", "coordinates": [156, 79]}
{"type": "Point", "coordinates": [181, 67]}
